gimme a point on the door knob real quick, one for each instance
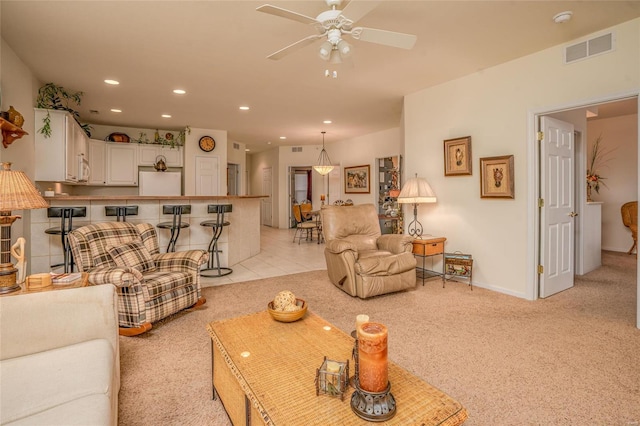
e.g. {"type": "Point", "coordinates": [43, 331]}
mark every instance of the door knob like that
{"type": "Point", "coordinates": [573, 214]}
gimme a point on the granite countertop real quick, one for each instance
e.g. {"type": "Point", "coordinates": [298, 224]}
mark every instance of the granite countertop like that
{"type": "Point", "coordinates": [151, 197]}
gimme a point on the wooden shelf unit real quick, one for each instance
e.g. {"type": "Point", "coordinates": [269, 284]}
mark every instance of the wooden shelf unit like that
{"type": "Point", "coordinates": [10, 132]}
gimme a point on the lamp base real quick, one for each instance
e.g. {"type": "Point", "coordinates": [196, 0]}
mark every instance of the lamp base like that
{"type": "Point", "coordinates": [373, 406]}
{"type": "Point", "coordinates": [8, 278]}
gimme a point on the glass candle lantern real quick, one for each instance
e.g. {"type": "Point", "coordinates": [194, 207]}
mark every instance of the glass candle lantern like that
{"type": "Point", "coordinates": [373, 369]}
{"type": "Point", "coordinates": [332, 378]}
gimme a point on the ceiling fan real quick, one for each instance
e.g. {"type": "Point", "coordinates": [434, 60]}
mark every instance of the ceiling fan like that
{"type": "Point", "coordinates": [334, 24]}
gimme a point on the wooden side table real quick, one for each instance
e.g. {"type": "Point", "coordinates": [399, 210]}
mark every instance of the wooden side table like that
{"type": "Point", "coordinates": [83, 281]}
{"type": "Point", "coordinates": [428, 247]}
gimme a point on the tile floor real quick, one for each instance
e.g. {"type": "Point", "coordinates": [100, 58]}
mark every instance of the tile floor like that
{"type": "Point", "coordinates": [278, 256]}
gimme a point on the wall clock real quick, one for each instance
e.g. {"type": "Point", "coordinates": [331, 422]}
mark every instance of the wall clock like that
{"type": "Point", "coordinates": [207, 143]}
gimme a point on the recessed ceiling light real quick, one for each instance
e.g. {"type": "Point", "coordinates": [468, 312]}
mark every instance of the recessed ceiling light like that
{"type": "Point", "coordinates": [327, 121]}
{"type": "Point", "coordinates": [112, 82]}
{"type": "Point", "coordinates": [562, 17]}
{"type": "Point", "coordinates": [247, 150]}
{"type": "Point", "coordinates": [283, 137]}
{"type": "Point", "coordinates": [179, 91]}
{"type": "Point", "coordinates": [166, 115]}
{"type": "Point", "coordinates": [244, 108]}
{"type": "Point", "coordinates": [268, 142]}
{"type": "Point", "coordinates": [115, 110]}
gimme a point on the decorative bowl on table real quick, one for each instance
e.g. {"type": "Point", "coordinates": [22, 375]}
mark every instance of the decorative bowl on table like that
{"type": "Point", "coordinates": [288, 315]}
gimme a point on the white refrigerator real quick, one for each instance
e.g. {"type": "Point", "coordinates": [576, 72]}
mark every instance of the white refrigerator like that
{"type": "Point", "coordinates": [160, 183]}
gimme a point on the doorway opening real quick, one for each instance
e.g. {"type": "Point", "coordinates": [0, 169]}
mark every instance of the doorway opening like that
{"type": "Point", "coordinates": [233, 179]}
{"type": "Point", "coordinates": [300, 188]}
{"type": "Point", "coordinates": [597, 223]}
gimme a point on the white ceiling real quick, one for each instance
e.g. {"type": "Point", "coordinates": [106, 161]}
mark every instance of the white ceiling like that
{"type": "Point", "coordinates": [216, 51]}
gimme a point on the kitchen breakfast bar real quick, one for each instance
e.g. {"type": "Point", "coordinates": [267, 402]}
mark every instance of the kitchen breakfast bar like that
{"type": "Point", "coordinates": [238, 242]}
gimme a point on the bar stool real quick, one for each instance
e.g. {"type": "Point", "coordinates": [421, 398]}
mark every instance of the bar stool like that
{"type": "Point", "coordinates": [66, 215]}
{"type": "Point", "coordinates": [121, 212]}
{"type": "Point", "coordinates": [176, 224]}
{"type": "Point", "coordinates": [217, 226]}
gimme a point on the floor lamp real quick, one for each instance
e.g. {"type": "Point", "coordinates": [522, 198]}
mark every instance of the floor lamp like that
{"type": "Point", "coordinates": [416, 191]}
{"type": "Point", "coordinates": [16, 193]}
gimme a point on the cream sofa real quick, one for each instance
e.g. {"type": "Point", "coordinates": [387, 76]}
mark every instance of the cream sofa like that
{"type": "Point", "coordinates": [59, 357]}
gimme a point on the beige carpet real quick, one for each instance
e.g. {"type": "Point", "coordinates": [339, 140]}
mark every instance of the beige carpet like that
{"type": "Point", "coordinates": [572, 359]}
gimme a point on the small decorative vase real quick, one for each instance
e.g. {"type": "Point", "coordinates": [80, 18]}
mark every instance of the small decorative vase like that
{"type": "Point", "coordinates": [15, 117]}
{"type": "Point", "coordinates": [589, 193]}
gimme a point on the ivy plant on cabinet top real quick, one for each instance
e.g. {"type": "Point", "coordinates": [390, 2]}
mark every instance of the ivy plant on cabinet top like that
{"type": "Point", "coordinates": [51, 96]}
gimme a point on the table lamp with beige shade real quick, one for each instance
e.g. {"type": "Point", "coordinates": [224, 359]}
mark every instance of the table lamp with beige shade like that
{"type": "Point", "coordinates": [17, 192]}
{"type": "Point", "coordinates": [416, 191]}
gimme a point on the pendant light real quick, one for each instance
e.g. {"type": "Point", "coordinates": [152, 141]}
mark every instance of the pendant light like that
{"type": "Point", "coordinates": [324, 163]}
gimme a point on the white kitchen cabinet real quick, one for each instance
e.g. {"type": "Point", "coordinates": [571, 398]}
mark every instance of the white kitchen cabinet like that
{"type": "Point", "coordinates": [148, 153]}
{"type": "Point", "coordinates": [59, 156]}
{"type": "Point", "coordinates": [97, 162]}
{"type": "Point", "coordinates": [122, 164]}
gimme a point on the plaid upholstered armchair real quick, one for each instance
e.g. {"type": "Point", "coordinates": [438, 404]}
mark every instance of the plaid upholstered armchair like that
{"type": "Point", "coordinates": [150, 285]}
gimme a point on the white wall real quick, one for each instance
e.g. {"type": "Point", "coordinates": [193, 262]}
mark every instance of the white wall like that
{"type": "Point", "coordinates": [364, 150]}
{"type": "Point", "coordinates": [620, 136]}
{"type": "Point", "coordinates": [192, 150]}
{"type": "Point", "coordinates": [495, 107]}
{"type": "Point", "coordinates": [358, 151]}
{"type": "Point", "coordinates": [286, 159]}
{"type": "Point", "coordinates": [19, 88]}
{"type": "Point", "coordinates": [258, 162]}
{"type": "Point", "coordinates": [238, 156]}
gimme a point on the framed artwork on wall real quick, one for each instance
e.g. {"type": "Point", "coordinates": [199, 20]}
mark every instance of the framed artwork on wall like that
{"type": "Point", "coordinates": [496, 177]}
{"type": "Point", "coordinates": [357, 180]}
{"type": "Point", "coordinates": [457, 156]}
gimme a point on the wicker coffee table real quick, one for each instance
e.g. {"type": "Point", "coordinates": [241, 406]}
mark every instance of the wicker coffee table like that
{"type": "Point", "coordinates": [264, 371]}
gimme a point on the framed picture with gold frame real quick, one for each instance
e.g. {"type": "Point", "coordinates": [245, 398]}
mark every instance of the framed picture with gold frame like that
{"type": "Point", "coordinates": [457, 156]}
{"type": "Point", "coordinates": [357, 180]}
{"type": "Point", "coordinates": [496, 177]}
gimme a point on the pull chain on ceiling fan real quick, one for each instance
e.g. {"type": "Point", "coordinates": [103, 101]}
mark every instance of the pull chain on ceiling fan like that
{"type": "Point", "coordinates": [333, 25]}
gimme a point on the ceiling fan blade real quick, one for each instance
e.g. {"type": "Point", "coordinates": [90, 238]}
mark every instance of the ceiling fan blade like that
{"type": "Point", "coordinates": [284, 13]}
{"type": "Point", "coordinates": [293, 47]}
{"type": "Point", "coordinates": [355, 10]}
{"type": "Point", "coordinates": [388, 38]}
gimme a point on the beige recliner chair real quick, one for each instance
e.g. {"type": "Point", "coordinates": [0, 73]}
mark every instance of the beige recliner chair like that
{"type": "Point", "coordinates": [360, 260]}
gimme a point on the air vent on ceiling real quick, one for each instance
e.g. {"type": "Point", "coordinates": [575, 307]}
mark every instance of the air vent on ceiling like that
{"type": "Point", "coordinates": [236, 145]}
{"type": "Point", "coordinates": [588, 48]}
{"type": "Point", "coordinates": [296, 149]}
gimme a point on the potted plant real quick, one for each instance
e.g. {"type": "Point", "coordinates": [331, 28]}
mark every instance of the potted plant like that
{"type": "Point", "coordinates": [51, 96]}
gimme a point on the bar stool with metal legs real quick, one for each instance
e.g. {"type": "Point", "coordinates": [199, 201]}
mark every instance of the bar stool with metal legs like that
{"type": "Point", "coordinates": [217, 225]}
{"type": "Point", "coordinates": [176, 224]}
{"type": "Point", "coordinates": [66, 215]}
{"type": "Point", "coordinates": [121, 212]}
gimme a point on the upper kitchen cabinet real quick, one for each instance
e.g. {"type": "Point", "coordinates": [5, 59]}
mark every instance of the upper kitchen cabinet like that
{"type": "Point", "coordinates": [122, 164]}
{"type": "Point", "coordinates": [62, 156]}
{"type": "Point", "coordinates": [148, 155]}
{"type": "Point", "coordinates": [98, 162]}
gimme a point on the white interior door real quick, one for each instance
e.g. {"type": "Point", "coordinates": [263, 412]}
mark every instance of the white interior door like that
{"type": "Point", "coordinates": [207, 175]}
{"type": "Point", "coordinates": [267, 203]}
{"type": "Point", "coordinates": [557, 243]}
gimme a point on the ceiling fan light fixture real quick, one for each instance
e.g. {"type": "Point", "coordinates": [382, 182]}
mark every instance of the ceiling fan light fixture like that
{"type": "Point", "coordinates": [325, 50]}
{"type": "Point", "coordinates": [335, 57]}
{"type": "Point", "coordinates": [344, 48]}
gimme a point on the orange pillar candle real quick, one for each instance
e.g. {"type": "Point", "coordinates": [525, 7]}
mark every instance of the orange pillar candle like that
{"type": "Point", "coordinates": [373, 371]}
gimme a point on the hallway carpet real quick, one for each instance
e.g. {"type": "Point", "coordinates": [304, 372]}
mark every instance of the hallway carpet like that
{"type": "Point", "coordinates": [571, 359]}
